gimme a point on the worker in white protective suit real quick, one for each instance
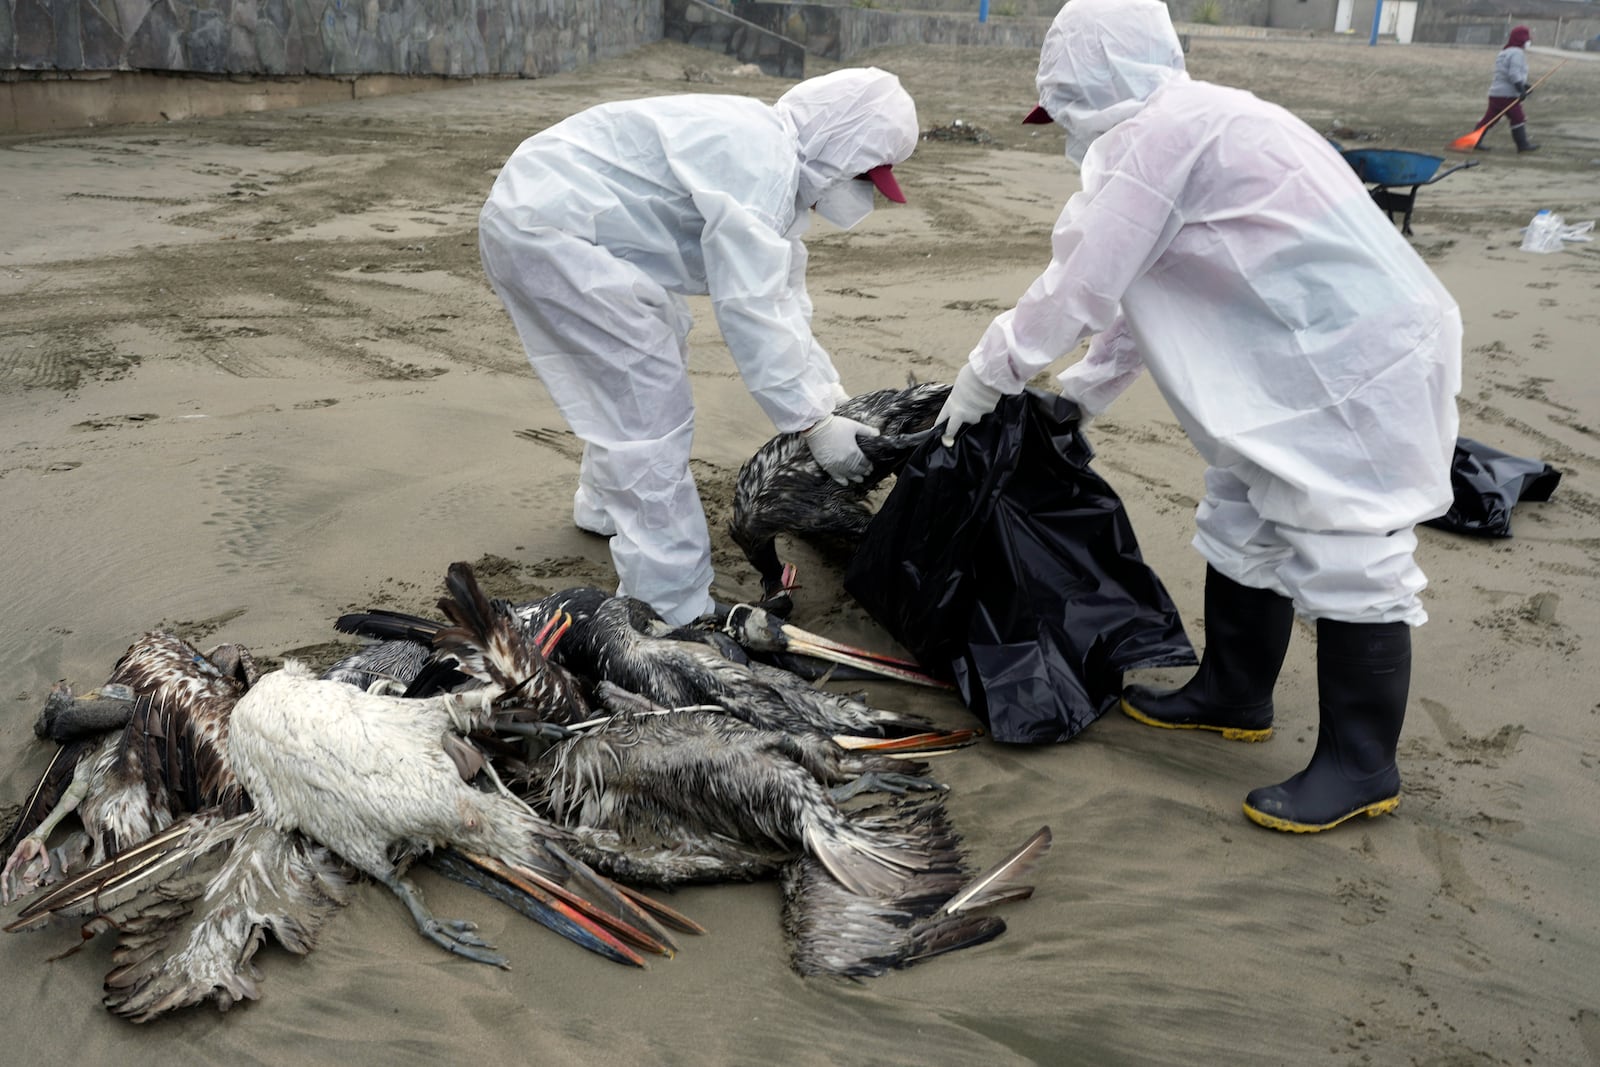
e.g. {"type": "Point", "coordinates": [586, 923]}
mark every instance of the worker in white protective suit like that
{"type": "Point", "coordinates": [598, 226]}
{"type": "Point", "coordinates": [1310, 355]}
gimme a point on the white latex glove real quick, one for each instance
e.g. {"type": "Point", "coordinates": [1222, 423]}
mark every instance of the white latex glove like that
{"type": "Point", "coordinates": [970, 399]}
{"type": "Point", "coordinates": [834, 445]}
{"type": "Point", "coordinates": [840, 394]}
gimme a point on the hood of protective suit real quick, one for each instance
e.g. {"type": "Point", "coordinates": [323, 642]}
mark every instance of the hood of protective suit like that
{"type": "Point", "coordinates": [847, 123]}
{"type": "Point", "coordinates": [1101, 60]}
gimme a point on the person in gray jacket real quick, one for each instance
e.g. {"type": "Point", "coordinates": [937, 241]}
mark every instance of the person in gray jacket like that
{"type": "Point", "coordinates": [1509, 89]}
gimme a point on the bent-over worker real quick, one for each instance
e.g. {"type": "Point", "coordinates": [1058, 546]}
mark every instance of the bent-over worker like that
{"type": "Point", "coordinates": [598, 226]}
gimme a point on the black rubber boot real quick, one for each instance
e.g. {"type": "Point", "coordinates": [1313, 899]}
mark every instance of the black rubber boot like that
{"type": "Point", "coordinates": [1519, 134]}
{"type": "Point", "coordinates": [1247, 634]}
{"type": "Point", "coordinates": [1363, 678]}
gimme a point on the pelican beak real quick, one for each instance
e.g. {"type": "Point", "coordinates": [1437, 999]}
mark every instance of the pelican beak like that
{"type": "Point", "coordinates": [546, 903]}
{"type": "Point", "coordinates": [551, 632]}
{"type": "Point", "coordinates": [758, 629]}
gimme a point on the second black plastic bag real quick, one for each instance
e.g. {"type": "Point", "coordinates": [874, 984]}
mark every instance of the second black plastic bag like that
{"type": "Point", "coordinates": [1007, 565]}
{"type": "Point", "coordinates": [1488, 483]}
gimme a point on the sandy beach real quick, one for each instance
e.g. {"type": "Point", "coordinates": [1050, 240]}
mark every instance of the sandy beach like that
{"type": "Point", "coordinates": [252, 376]}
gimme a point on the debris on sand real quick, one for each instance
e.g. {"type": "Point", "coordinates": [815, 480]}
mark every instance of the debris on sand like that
{"type": "Point", "coordinates": [958, 130]}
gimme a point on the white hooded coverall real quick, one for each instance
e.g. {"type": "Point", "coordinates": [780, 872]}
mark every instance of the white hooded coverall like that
{"type": "Point", "coordinates": [595, 229]}
{"type": "Point", "coordinates": [1310, 355]}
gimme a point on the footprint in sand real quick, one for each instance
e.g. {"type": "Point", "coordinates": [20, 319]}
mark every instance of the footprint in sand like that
{"type": "Point", "coordinates": [249, 515]}
{"type": "Point", "coordinates": [1443, 851]}
{"type": "Point", "coordinates": [1589, 1033]}
{"type": "Point", "coordinates": [1463, 748]}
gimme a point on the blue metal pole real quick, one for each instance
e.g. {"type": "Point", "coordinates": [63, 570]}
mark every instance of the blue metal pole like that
{"type": "Point", "coordinates": [1377, 13]}
{"type": "Point", "coordinates": [983, 10]}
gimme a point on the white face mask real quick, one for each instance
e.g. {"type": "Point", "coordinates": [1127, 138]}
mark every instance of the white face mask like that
{"type": "Point", "coordinates": [846, 203]}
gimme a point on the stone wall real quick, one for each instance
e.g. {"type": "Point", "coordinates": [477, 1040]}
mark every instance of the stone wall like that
{"type": "Point", "coordinates": [450, 38]}
{"type": "Point", "coordinates": [716, 28]}
{"type": "Point", "coordinates": [840, 32]}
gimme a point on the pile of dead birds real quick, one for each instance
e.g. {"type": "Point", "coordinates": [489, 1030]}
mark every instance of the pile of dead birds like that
{"type": "Point", "coordinates": [563, 755]}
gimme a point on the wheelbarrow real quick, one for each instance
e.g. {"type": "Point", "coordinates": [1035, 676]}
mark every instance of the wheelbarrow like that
{"type": "Point", "coordinates": [1387, 171]}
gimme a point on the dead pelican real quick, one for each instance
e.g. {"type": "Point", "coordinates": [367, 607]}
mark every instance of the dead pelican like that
{"type": "Point", "coordinates": [126, 784]}
{"type": "Point", "coordinates": [373, 778]}
{"type": "Point", "coordinates": [620, 640]}
{"type": "Point", "coordinates": [485, 642]}
{"type": "Point", "coordinates": [782, 490]}
{"type": "Point", "coordinates": [669, 797]}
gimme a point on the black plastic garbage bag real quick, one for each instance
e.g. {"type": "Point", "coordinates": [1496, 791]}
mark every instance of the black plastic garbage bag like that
{"type": "Point", "coordinates": [1008, 566]}
{"type": "Point", "coordinates": [1488, 483]}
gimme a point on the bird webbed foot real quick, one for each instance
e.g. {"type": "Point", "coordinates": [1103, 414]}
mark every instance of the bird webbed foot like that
{"type": "Point", "coordinates": [454, 935]}
{"type": "Point", "coordinates": [537, 737]}
{"type": "Point", "coordinates": [24, 869]}
{"type": "Point", "coordinates": [882, 782]}
{"type": "Point", "coordinates": [535, 731]}
{"type": "Point", "coordinates": [32, 865]}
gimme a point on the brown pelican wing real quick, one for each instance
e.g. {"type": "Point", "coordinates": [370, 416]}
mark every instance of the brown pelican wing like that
{"type": "Point", "coordinates": [1001, 883]}
{"type": "Point", "coordinates": [164, 665]}
{"type": "Point", "coordinates": [489, 642]}
{"type": "Point", "coordinates": [832, 931]}
{"type": "Point", "coordinates": [192, 905]}
{"type": "Point", "coordinates": [178, 747]}
{"type": "Point", "coordinates": [197, 939]}
{"type": "Point", "coordinates": [108, 885]}
{"type": "Point", "coordinates": [838, 932]}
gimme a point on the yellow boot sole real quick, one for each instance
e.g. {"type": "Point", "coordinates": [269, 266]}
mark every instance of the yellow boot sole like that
{"type": "Point", "coordinates": [1232, 733]}
{"type": "Point", "coordinates": [1273, 822]}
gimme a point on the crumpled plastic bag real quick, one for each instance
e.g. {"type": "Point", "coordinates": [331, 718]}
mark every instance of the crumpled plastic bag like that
{"type": "Point", "coordinates": [1549, 232]}
{"type": "Point", "coordinates": [1488, 483]}
{"type": "Point", "coordinates": [1008, 566]}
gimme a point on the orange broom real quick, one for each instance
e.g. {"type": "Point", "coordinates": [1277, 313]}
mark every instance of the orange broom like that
{"type": "Point", "coordinates": [1470, 141]}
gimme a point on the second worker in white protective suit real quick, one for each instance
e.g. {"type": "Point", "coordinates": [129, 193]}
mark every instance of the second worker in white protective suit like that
{"type": "Point", "coordinates": [595, 230]}
{"type": "Point", "coordinates": [1310, 355]}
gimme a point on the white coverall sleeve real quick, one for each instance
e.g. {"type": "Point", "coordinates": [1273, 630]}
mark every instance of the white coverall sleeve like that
{"type": "Point", "coordinates": [799, 257]}
{"type": "Point", "coordinates": [1104, 373]}
{"type": "Point", "coordinates": [1108, 235]}
{"type": "Point", "coordinates": [764, 317]}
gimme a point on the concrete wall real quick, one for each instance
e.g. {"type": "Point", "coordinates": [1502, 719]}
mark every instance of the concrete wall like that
{"type": "Point", "coordinates": [451, 38]}
{"type": "Point", "coordinates": [1302, 14]}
